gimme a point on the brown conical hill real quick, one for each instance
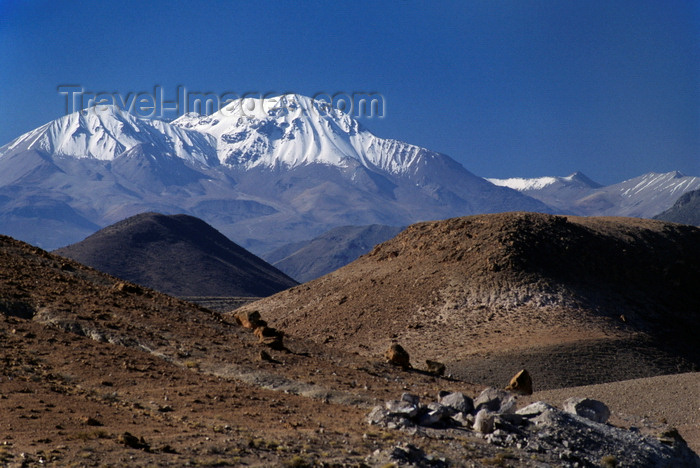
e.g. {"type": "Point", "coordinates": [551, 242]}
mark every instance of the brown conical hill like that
{"type": "Point", "coordinates": [177, 254]}
{"type": "Point", "coordinates": [619, 295]}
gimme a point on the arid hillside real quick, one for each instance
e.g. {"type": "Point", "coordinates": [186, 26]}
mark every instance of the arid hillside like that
{"type": "Point", "coordinates": [87, 357]}
{"type": "Point", "coordinates": [575, 300]}
{"type": "Point", "coordinates": [179, 255]}
{"type": "Point", "coordinates": [97, 371]}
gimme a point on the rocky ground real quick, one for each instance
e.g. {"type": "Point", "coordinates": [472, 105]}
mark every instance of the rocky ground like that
{"type": "Point", "coordinates": [99, 372]}
{"type": "Point", "coordinates": [670, 399]}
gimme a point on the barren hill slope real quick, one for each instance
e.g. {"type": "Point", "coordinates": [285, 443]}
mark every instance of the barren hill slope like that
{"type": "Point", "coordinates": [87, 357]}
{"type": "Point", "coordinates": [177, 254]}
{"type": "Point", "coordinates": [576, 300]}
{"type": "Point", "coordinates": [97, 371]}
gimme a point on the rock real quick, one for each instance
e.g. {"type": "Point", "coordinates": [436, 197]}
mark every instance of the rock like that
{"type": "Point", "coordinates": [571, 437]}
{"type": "Point", "coordinates": [404, 454]}
{"type": "Point", "coordinates": [381, 416]}
{"type": "Point", "coordinates": [559, 438]}
{"type": "Point", "coordinates": [398, 356]}
{"type": "Point", "coordinates": [435, 367]}
{"type": "Point", "coordinates": [132, 441]}
{"type": "Point", "coordinates": [249, 319]}
{"type": "Point", "coordinates": [90, 421]}
{"type": "Point", "coordinates": [269, 337]}
{"type": "Point", "coordinates": [521, 383]}
{"type": "Point", "coordinates": [378, 415]}
{"type": "Point", "coordinates": [402, 408]}
{"type": "Point", "coordinates": [588, 408]}
{"type": "Point", "coordinates": [443, 393]}
{"type": "Point", "coordinates": [264, 356]}
{"type": "Point", "coordinates": [508, 421]}
{"type": "Point", "coordinates": [127, 288]}
{"type": "Point", "coordinates": [495, 400]}
{"type": "Point", "coordinates": [534, 409]}
{"type": "Point", "coordinates": [484, 421]}
{"type": "Point", "coordinates": [463, 419]}
{"type": "Point", "coordinates": [410, 398]}
{"type": "Point", "coordinates": [433, 414]}
{"type": "Point", "coordinates": [457, 402]}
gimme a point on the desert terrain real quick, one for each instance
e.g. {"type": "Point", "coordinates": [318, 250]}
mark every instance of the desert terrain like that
{"type": "Point", "coordinates": [98, 371]}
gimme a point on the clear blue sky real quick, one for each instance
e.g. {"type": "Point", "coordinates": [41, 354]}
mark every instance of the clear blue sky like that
{"type": "Point", "coordinates": [508, 88]}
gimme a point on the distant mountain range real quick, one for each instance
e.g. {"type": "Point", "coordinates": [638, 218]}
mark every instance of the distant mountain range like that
{"type": "Point", "coordinates": [644, 196]}
{"type": "Point", "coordinates": [265, 173]}
{"type": "Point", "coordinates": [178, 255]}
{"type": "Point", "coordinates": [309, 260]}
{"type": "Point", "coordinates": [686, 210]}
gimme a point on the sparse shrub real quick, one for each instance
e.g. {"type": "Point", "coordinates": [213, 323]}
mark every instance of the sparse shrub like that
{"type": "Point", "coordinates": [609, 461]}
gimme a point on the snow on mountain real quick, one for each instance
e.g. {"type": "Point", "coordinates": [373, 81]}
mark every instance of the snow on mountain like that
{"type": "Point", "coordinates": [520, 184]}
{"type": "Point", "coordinates": [265, 172]}
{"type": "Point", "coordinates": [105, 132]}
{"type": "Point", "coordinates": [643, 196]}
{"type": "Point", "coordinates": [654, 184]}
{"type": "Point", "coordinates": [293, 130]}
{"type": "Point", "coordinates": [538, 183]}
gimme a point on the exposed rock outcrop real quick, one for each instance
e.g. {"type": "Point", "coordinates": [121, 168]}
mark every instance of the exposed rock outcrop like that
{"type": "Point", "coordinates": [249, 319]}
{"type": "Point", "coordinates": [576, 436]}
{"type": "Point", "coordinates": [521, 383]}
{"type": "Point", "coordinates": [398, 356]}
{"type": "Point", "coordinates": [435, 367]}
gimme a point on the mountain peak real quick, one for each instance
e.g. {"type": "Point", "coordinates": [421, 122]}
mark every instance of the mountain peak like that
{"type": "Point", "coordinates": [106, 132]}
{"type": "Point", "coordinates": [579, 176]}
{"type": "Point", "coordinates": [293, 130]}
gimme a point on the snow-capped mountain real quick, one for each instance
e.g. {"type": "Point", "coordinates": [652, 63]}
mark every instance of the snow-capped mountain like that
{"type": "Point", "coordinates": [577, 179]}
{"type": "Point", "coordinates": [106, 132]}
{"type": "Point", "coordinates": [560, 192]}
{"type": "Point", "coordinates": [294, 130]}
{"type": "Point", "coordinates": [265, 173]}
{"type": "Point", "coordinates": [643, 196]}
